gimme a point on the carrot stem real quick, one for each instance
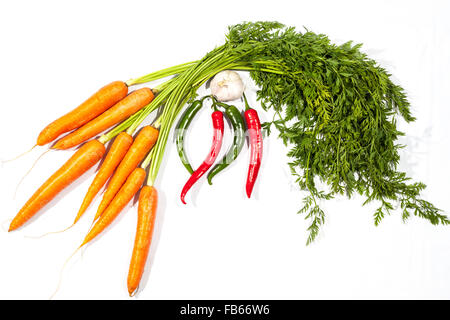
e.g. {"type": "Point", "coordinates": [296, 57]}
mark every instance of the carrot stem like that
{"type": "Point", "coordinates": [147, 159]}
{"type": "Point", "coordinates": [161, 73]}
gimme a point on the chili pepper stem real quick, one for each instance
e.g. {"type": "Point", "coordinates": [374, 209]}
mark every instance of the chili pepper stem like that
{"type": "Point", "coordinates": [214, 105]}
{"type": "Point", "coordinates": [247, 107]}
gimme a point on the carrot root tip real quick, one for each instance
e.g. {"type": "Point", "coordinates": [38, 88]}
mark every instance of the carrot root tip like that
{"type": "Point", "coordinates": [6, 225]}
{"type": "Point", "coordinates": [48, 233]}
{"type": "Point", "coordinates": [134, 292]}
{"type": "Point", "coordinates": [20, 155]}
{"type": "Point", "coordinates": [61, 273]}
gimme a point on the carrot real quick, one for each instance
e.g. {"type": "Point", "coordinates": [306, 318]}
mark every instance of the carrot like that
{"type": "Point", "coordinates": [144, 141]}
{"type": "Point", "coordinates": [99, 102]}
{"type": "Point", "coordinates": [83, 159]}
{"type": "Point", "coordinates": [118, 150]}
{"type": "Point", "coordinates": [148, 202]}
{"type": "Point", "coordinates": [121, 199]}
{"type": "Point", "coordinates": [133, 102]}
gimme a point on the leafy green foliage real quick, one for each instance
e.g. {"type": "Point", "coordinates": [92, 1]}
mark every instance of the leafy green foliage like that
{"type": "Point", "coordinates": [336, 110]}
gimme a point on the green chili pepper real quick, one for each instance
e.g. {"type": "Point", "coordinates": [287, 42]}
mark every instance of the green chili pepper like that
{"type": "Point", "coordinates": [237, 123]}
{"type": "Point", "coordinates": [180, 130]}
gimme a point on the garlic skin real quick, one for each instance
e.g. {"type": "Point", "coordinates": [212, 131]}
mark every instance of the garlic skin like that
{"type": "Point", "coordinates": [227, 85]}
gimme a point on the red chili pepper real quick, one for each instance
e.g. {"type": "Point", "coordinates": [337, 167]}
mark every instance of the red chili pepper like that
{"type": "Point", "coordinates": [256, 145]}
{"type": "Point", "coordinates": [217, 121]}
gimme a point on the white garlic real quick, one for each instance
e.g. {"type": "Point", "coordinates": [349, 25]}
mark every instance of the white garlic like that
{"type": "Point", "coordinates": [227, 85]}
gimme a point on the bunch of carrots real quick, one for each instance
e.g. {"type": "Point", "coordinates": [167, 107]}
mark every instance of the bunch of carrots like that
{"type": "Point", "coordinates": [113, 114]}
{"type": "Point", "coordinates": [107, 107]}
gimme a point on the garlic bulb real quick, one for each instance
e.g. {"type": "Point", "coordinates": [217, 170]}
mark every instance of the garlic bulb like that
{"type": "Point", "coordinates": [227, 85]}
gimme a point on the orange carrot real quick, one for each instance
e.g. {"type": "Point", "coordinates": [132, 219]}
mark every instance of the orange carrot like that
{"type": "Point", "coordinates": [125, 194]}
{"type": "Point", "coordinates": [118, 150]}
{"type": "Point", "coordinates": [99, 102]}
{"type": "Point", "coordinates": [144, 141]}
{"type": "Point", "coordinates": [83, 159]}
{"type": "Point", "coordinates": [132, 103]}
{"type": "Point", "coordinates": [148, 202]}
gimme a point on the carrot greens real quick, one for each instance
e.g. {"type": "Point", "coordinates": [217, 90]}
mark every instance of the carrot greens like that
{"type": "Point", "coordinates": [335, 108]}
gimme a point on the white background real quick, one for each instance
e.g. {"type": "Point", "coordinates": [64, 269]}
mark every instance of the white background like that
{"type": "Point", "coordinates": [55, 54]}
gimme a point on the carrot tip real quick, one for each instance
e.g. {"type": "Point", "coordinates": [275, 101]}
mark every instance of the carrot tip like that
{"type": "Point", "coordinates": [20, 155]}
{"type": "Point", "coordinates": [51, 232]}
{"type": "Point", "coordinates": [133, 292]}
{"type": "Point", "coordinates": [6, 225]}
